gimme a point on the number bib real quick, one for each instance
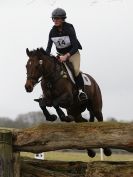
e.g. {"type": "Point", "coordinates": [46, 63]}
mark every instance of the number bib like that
{"type": "Point", "coordinates": [61, 42]}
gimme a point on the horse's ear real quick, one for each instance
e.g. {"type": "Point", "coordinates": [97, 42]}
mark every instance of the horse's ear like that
{"type": "Point", "coordinates": [28, 52]}
{"type": "Point", "coordinates": [38, 52]}
{"type": "Point", "coordinates": [43, 51]}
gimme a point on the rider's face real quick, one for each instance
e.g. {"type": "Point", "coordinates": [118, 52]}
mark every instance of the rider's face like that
{"type": "Point", "coordinates": [58, 21]}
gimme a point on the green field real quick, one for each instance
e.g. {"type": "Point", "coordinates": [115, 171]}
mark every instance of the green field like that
{"type": "Point", "coordinates": [79, 156]}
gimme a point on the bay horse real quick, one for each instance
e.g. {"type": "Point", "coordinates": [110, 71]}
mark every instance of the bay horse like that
{"type": "Point", "coordinates": [60, 91]}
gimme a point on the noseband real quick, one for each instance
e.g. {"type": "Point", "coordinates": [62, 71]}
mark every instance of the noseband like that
{"type": "Point", "coordinates": [36, 80]}
{"type": "Point", "coordinates": [50, 76]}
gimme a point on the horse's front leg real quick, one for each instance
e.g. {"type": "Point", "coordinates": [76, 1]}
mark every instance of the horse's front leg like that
{"type": "Point", "coordinates": [64, 101]}
{"type": "Point", "coordinates": [46, 113]}
{"type": "Point", "coordinates": [62, 115]}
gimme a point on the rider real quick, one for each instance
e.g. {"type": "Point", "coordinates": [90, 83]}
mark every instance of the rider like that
{"type": "Point", "coordinates": [64, 37]}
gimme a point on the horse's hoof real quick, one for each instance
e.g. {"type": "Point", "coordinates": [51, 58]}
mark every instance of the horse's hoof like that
{"type": "Point", "coordinates": [52, 118]}
{"type": "Point", "coordinates": [107, 151]}
{"type": "Point", "coordinates": [91, 153]}
{"type": "Point", "coordinates": [91, 120]}
{"type": "Point", "coordinates": [84, 120]}
{"type": "Point", "coordinates": [62, 118]}
{"type": "Point", "coordinates": [69, 118]}
{"type": "Point", "coordinates": [66, 118]}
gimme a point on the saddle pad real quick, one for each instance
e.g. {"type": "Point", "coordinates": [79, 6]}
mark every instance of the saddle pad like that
{"type": "Point", "coordinates": [86, 79]}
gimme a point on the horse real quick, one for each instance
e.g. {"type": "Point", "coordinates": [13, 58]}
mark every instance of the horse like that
{"type": "Point", "coordinates": [60, 91]}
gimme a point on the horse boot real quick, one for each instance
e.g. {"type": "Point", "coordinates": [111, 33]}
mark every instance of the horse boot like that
{"type": "Point", "coordinates": [82, 96]}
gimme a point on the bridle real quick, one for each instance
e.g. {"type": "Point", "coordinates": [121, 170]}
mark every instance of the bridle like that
{"type": "Point", "coordinates": [49, 77]}
{"type": "Point", "coordinates": [36, 80]}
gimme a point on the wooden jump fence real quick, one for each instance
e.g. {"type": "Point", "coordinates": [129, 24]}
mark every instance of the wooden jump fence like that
{"type": "Point", "coordinates": [57, 136]}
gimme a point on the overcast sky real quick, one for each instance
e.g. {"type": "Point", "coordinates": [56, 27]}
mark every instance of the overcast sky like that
{"type": "Point", "coordinates": [105, 30]}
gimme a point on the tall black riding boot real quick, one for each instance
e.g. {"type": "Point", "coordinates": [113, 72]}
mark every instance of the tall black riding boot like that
{"type": "Point", "coordinates": [80, 84]}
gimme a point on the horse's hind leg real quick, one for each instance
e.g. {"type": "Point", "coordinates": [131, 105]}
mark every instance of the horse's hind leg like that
{"type": "Point", "coordinates": [99, 116]}
{"type": "Point", "coordinates": [76, 114]}
{"type": "Point", "coordinates": [107, 151]}
{"type": "Point", "coordinates": [92, 117]}
{"type": "Point", "coordinates": [91, 153]}
{"type": "Point", "coordinates": [78, 118]}
{"type": "Point", "coordinates": [95, 112]}
{"type": "Point", "coordinates": [89, 108]}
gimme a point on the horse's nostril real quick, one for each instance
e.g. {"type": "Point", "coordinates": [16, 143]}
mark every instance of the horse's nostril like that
{"type": "Point", "coordinates": [28, 88]}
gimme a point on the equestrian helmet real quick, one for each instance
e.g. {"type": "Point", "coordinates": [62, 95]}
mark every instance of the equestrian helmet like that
{"type": "Point", "coordinates": [59, 12]}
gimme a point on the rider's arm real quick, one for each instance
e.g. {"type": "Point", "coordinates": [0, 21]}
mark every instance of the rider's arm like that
{"type": "Point", "coordinates": [49, 46]}
{"type": "Point", "coordinates": [73, 39]}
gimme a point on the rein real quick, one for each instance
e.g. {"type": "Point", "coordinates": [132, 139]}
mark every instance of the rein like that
{"type": "Point", "coordinates": [35, 80]}
{"type": "Point", "coordinates": [51, 77]}
{"type": "Point", "coordinates": [39, 81]}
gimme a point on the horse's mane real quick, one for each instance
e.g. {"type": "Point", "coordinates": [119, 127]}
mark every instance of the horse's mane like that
{"type": "Point", "coordinates": [37, 52]}
{"type": "Point", "coordinates": [41, 50]}
{"type": "Point", "coordinates": [41, 54]}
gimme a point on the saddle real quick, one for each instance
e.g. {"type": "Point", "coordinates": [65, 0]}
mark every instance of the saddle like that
{"type": "Point", "coordinates": [68, 68]}
{"type": "Point", "coordinates": [64, 70]}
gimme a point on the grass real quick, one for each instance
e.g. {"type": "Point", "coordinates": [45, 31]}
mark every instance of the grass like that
{"type": "Point", "coordinates": [79, 156]}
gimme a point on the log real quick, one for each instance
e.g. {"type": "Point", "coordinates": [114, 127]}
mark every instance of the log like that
{"type": "Point", "coordinates": [41, 168]}
{"type": "Point", "coordinates": [50, 137]}
{"type": "Point", "coordinates": [33, 171]}
{"type": "Point", "coordinates": [52, 169]}
{"type": "Point", "coordinates": [6, 158]}
{"type": "Point", "coordinates": [69, 168]}
{"type": "Point", "coordinates": [109, 169]}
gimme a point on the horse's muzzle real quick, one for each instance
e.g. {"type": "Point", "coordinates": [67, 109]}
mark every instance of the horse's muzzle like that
{"type": "Point", "coordinates": [29, 87]}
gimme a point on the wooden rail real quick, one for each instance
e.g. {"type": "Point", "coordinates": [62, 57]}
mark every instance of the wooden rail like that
{"type": "Point", "coordinates": [50, 137]}
{"type": "Point", "coordinates": [37, 168]}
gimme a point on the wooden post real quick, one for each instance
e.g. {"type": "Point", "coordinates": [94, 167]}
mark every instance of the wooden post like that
{"type": "Point", "coordinates": [101, 154]}
{"type": "Point", "coordinates": [16, 164]}
{"type": "Point", "coordinates": [6, 167]}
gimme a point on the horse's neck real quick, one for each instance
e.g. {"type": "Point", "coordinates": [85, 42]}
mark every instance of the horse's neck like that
{"type": "Point", "coordinates": [52, 73]}
{"type": "Point", "coordinates": [48, 67]}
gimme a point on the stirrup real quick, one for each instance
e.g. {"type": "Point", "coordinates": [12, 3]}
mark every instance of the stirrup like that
{"type": "Point", "coordinates": [82, 96]}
